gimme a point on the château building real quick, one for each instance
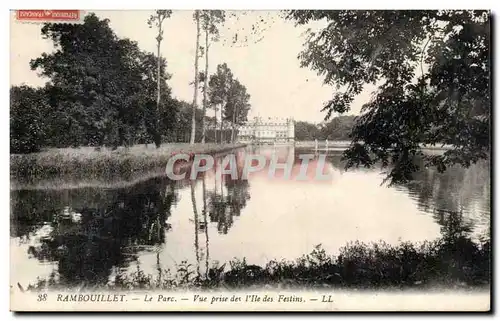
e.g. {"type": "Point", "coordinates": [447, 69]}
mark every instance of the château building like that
{"type": "Point", "coordinates": [270, 130]}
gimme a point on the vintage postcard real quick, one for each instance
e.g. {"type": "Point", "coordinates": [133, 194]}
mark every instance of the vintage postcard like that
{"type": "Point", "coordinates": [216, 160]}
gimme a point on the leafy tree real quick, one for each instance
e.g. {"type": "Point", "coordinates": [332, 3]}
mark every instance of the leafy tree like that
{"type": "Point", "coordinates": [180, 129]}
{"type": "Point", "coordinates": [87, 78]}
{"type": "Point", "coordinates": [432, 69]}
{"type": "Point", "coordinates": [154, 123]}
{"type": "Point", "coordinates": [157, 20]}
{"type": "Point", "coordinates": [196, 76]}
{"type": "Point", "coordinates": [227, 92]}
{"type": "Point", "coordinates": [339, 128]}
{"type": "Point", "coordinates": [102, 89]}
{"type": "Point", "coordinates": [211, 19]}
{"type": "Point", "coordinates": [237, 106]}
{"type": "Point", "coordinates": [220, 83]}
{"type": "Point", "coordinates": [306, 131]}
{"type": "Point", "coordinates": [76, 78]}
{"type": "Point", "coordinates": [27, 106]}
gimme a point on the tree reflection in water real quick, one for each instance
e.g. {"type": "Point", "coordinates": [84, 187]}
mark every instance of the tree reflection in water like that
{"type": "Point", "coordinates": [205, 225]}
{"type": "Point", "coordinates": [222, 207]}
{"type": "Point", "coordinates": [95, 233]}
{"type": "Point", "coordinates": [107, 233]}
{"type": "Point", "coordinates": [459, 195]}
{"type": "Point", "coordinates": [196, 229]}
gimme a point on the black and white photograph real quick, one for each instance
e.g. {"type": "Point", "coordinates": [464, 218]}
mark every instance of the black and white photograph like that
{"type": "Point", "coordinates": [250, 160]}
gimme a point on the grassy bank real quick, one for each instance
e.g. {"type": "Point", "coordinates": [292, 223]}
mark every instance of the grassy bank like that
{"type": "Point", "coordinates": [101, 163]}
{"type": "Point", "coordinates": [450, 263]}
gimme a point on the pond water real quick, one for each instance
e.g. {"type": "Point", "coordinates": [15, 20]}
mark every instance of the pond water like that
{"type": "Point", "coordinates": [90, 234]}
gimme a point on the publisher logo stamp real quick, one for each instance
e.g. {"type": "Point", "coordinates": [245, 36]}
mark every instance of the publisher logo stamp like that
{"type": "Point", "coordinates": [49, 16]}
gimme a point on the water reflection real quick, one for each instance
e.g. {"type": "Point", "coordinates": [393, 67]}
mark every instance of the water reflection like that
{"type": "Point", "coordinates": [458, 190]}
{"type": "Point", "coordinates": [93, 231]}
{"type": "Point", "coordinates": [222, 208]}
{"type": "Point", "coordinates": [459, 195]}
{"type": "Point", "coordinates": [89, 235]}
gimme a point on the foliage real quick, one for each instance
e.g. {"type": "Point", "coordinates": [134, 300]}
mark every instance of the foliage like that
{"type": "Point", "coordinates": [220, 83]}
{"type": "Point", "coordinates": [157, 20]}
{"type": "Point", "coordinates": [339, 128]}
{"type": "Point", "coordinates": [27, 106]}
{"type": "Point", "coordinates": [105, 91]}
{"type": "Point", "coordinates": [101, 90]}
{"type": "Point", "coordinates": [237, 103]}
{"type": "Point", "coordinates": [196, 17]}
{"type": "Point", "coordinates": [305, 131]}
{"type": "Point", "coordinates": [211, 19]}
{"type": "Point", "coordinates": [227, 92]}
{"type": "Point", "coordinates": [432, 69]}
{"type": "Point", "coordinates": [184, 118]}
{"type": "Point", "coordinates": [91, 72]}
{"type": "Point", "coordinates": [450, 262]}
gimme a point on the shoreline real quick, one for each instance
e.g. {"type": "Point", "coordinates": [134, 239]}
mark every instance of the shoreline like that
{"type": "Point", "coordinates": [94, 167]}
{"type": "Point", "coordinates": [356, 265]}
{"type": "Point", "coordinates": [97, 166]}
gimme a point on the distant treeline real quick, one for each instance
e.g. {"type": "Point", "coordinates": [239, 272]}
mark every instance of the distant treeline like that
{"type": "Point", "coordinates": [339, 128]}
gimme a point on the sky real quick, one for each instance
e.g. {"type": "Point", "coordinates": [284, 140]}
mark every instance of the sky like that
{"type": "Point", "coordinates": [269, 68]}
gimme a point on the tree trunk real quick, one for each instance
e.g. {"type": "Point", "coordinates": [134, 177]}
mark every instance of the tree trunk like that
{"type": "Point", "coordinates": [205, 88]}
{"type": "Point", "coordinates": [157, 134]}
{"type": "Point", "coordinates": [234, 121]}
{"type": "Point", "coordinates": [196, 80]}
{"type": "Point", "coordinates": [221, 125]}
{"type": "Point", "coordinates": [215, 124]}
{"type": "Point", "coordinates": [196, 222]}
{"type": "Point", "coordinates": [205, 221]}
